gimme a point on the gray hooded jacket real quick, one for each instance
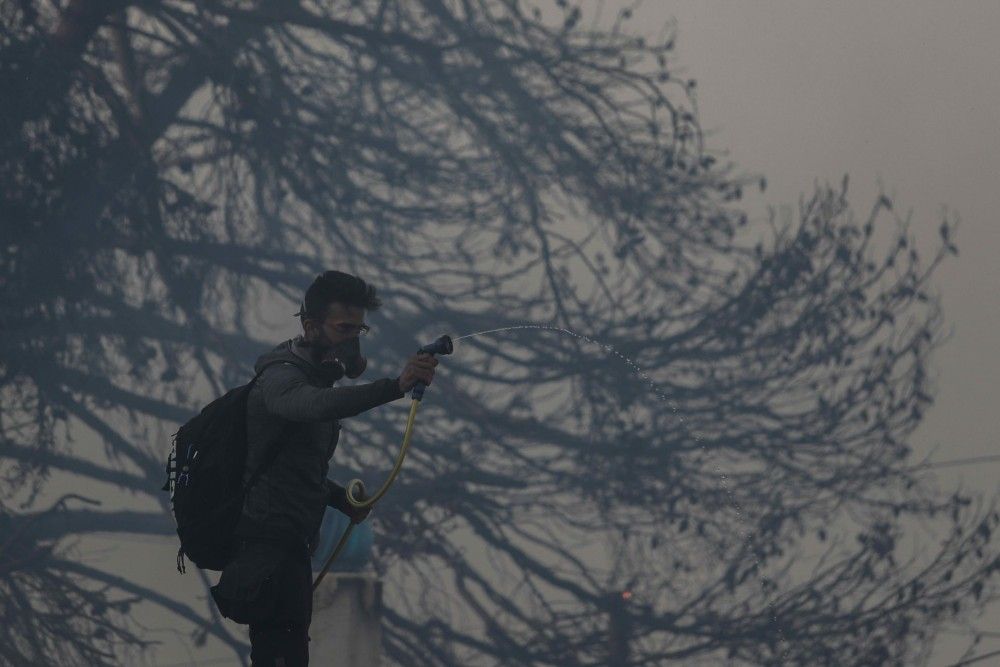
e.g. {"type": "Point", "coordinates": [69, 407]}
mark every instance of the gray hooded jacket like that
{"type": "Point", "coordinates": [298, 412]}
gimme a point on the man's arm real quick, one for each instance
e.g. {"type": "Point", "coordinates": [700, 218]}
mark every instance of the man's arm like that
{"type": "Point", "coordinates": [288, 394]}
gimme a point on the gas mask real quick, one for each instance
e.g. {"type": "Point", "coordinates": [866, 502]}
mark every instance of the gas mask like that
{"type": "Point", "coordinates": [350, 361]}
{"type": "Point", "coordinates": [347, 360]}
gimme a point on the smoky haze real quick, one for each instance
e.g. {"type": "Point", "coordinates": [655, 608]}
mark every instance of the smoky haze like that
{"type": "Point", "coordinates": [755, 490]}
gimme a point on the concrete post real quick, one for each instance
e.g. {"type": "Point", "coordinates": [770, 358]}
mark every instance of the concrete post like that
{"type": "Point", "coordinates": [346, 626]}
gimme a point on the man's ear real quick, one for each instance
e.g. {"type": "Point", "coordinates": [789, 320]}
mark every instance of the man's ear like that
{"type": "Point", "coordinates": [310, 327]}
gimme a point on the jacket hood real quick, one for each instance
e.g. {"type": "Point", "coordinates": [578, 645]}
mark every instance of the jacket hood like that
{"type": "Point", "coordinates": [286, 352]}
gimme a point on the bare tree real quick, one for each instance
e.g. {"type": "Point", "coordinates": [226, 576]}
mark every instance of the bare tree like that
{"type": "Point", "coordinates": [168, 167]}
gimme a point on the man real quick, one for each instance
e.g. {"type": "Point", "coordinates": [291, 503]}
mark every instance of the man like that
{"type": "Point", "coordinates": [295, 408]}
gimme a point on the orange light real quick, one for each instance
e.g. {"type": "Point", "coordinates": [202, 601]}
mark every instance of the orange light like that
{"type": "Point", "coordinates": [626, 595]}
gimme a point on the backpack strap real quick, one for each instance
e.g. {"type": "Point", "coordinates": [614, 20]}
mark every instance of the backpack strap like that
{"type": "Point", "coordinates": [272, 454]}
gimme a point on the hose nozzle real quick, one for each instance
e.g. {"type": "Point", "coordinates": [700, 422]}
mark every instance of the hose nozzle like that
{"type": "Point", "coordinates": [442, 345]}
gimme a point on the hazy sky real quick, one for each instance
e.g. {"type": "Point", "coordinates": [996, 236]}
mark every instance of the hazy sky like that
{"type": "Point", "coordinates": [902, 92]}
{"type": "Point", "coordinates": [906, 93]}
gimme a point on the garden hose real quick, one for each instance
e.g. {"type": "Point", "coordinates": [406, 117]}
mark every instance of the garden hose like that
{"type": "Point", "coordinates": [356, 488]}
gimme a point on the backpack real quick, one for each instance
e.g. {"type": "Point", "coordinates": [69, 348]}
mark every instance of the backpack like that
{"type": "Point", "coordinates": [205, 477]}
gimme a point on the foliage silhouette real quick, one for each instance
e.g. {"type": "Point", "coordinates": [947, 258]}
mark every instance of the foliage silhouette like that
{"type": "Point", "coordinates": [174, 173]}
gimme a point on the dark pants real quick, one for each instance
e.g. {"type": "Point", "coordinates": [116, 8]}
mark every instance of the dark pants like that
{"type": "Point", "coordinates": [269, 587]}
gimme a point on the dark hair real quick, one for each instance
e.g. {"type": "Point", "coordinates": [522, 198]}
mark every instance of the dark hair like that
{"type": "Point", "coordinates": [337, 287]}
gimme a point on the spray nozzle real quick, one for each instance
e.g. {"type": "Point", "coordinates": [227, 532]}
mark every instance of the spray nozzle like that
{"type": "Point", "coordinates": [442, 345]}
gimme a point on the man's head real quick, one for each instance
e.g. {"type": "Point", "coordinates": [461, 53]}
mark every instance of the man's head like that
{"type": "Point", "coordinates": [332, 318]}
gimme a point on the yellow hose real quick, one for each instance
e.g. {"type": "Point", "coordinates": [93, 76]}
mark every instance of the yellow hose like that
{"type": "Point", "coordinates": [360, 501]}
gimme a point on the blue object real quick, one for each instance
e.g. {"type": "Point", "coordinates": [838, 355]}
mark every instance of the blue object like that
{"type": "Point", "coordinates": [358, 550]}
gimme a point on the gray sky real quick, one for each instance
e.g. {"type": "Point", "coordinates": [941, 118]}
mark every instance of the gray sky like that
{"type": "Point", "coordinates": [906, 93]}
{"type": "Point", "coordinates": [803, 91]}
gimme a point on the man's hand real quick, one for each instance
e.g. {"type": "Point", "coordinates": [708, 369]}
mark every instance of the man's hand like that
{"type": "Point", "coordinates": [338, 500]}
{"type": "Point", "coordinates": [419, 368]}
{"type": "Point", "coordinates": [358, 514]}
